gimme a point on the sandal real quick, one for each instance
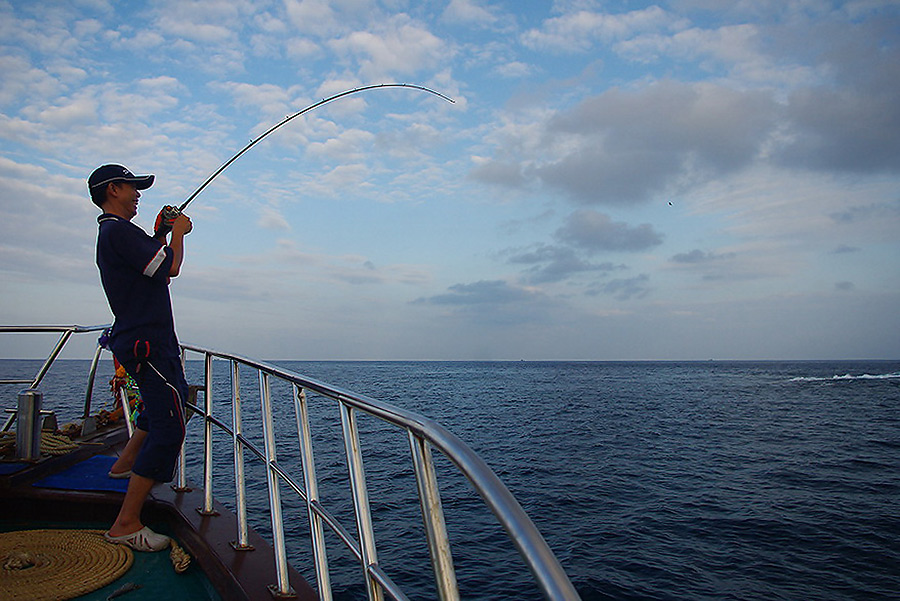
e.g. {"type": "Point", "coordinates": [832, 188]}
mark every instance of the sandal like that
{"type": "Point", "coordinates": [119, 475]}
{"type": "Point", "coordinates": [142, 540]}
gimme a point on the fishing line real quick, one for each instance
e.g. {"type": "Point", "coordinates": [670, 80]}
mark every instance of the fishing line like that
{"type": "Point", "coordinates": [294, 116]}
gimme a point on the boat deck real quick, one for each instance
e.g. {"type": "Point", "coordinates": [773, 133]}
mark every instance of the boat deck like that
{"type": "Point", "coordinates": [72, 491]}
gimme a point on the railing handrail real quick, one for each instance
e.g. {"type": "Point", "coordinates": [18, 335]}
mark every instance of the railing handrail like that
{"type": "Point", "coordinates": [537, 555]}
{"type": "Point", "coordinates": [423, 433]}
{"type": "Point", "coordinates": [65, 333]}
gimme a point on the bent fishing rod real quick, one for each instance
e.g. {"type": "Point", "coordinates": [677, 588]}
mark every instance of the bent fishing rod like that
{"type": "Point", "coordinates": [169, 213]}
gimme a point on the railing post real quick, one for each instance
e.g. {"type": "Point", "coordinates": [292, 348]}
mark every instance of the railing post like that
{"type": "Point", "coordinates": [126, 412]}
{"type": "Point", "coordinates": [207, 508]}
{"type": "Point", "coordinates": [181, 473]}
{"type": "Point", "coordinates": [283, 588]}
{"type": "Point", "coordinates": [89, 393]}
{"type": "Point", "coordinates": [64, 337]}
{"type": "Point", "coordinates": [242, 543]}
{"type": "Point", "coordinates": [360, 500]}
{"type": "Point", "coordinates": [310, 482]}
{"type": "Point", "coordinates": [433, 517]}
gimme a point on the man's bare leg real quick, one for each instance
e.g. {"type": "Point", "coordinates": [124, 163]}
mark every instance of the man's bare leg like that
{"type": "Point", "coordinates": [126, 460]}
{"type": "Point", "coordinates": [129, 518]}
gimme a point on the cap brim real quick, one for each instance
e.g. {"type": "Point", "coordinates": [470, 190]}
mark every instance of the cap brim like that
{"type": "Point", "coordinates": [142, 182]}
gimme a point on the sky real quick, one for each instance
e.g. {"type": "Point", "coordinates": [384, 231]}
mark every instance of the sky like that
{"type": "Point", "coordinates": [682, 180]}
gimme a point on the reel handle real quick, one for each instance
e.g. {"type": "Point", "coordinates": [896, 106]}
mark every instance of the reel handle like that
{"type": "Point", "coordinates": [164, 222]}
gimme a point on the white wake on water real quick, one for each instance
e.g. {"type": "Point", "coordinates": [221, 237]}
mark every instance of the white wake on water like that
{"type": "Point", "coordinates": [846, 377]}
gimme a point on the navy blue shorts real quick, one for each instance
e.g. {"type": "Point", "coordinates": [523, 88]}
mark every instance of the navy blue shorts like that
{"type": "Point", "coordinates": [164, 392]}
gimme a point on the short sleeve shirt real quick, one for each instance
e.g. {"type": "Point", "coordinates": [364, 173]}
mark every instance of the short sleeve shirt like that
{"type": "Point", "coordinates": [134, 270]}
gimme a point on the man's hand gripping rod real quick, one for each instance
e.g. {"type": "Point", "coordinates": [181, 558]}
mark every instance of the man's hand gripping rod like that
{"type": "Point", "coordinates": [168, 214]}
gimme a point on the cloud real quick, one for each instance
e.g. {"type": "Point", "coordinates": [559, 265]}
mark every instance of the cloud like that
{"type": "Point", "coordinates": [595, 232]}
{"type": "Point", "coordinates": [585, 233]}
{"type": "Point", "coordinates": [271, 218]}
{"type": "Point", "coordinates": [398, 46]}
{"type": "Point", "coordinates": [731, 45]}
{"type": "Point", "coordinates": [503, 173]}
{"type": "Point", "coordinates": [625, 146]}
{"type": "Point", "coordinates": [697, 257]}
{"type": "Point", "coordinates": [849, 121]}
{"type": "Point", "coordinates": [468, 12]}
{"type": "Point", "coordinates": [844, 286]}
{"type": "Point", "coordinates": [825, 101]}
{"type": "Point", "coordinates": [556, 263]}
{"type": "Point", "coordinates": [871, 212]}
{"type": "Point", "coordinates": [580, 30]}
{"type": "Point", "coordinates": [623, 289]}
{"type": "Point", "coordinates": [493, 303]}
{"type": "Point", "coordinates": [844, 130]}
{"type": "Point", "coordinates": [21, 79]}
{"type": "Point", "coordinates": [514, 70]}
{"type": "Point", "coordinates": [496, 292]}
{"type": "Point", "coordinates": [324, 17]}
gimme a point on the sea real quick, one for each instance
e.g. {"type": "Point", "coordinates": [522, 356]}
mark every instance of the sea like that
{"type": "Point", "coordinates": [713, 480]}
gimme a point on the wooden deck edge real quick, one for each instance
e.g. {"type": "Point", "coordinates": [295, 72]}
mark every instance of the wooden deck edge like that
{"type": "Point", "coordinates": [248, 574]}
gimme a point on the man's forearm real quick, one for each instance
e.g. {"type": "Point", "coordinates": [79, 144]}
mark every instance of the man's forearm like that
{"type": "Point", "coordinates": [177, 246]}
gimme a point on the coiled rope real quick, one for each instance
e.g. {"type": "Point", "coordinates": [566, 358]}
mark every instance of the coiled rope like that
{"type": "Point", "coordinates": [45, 565]}
{"type": "Point", "coordinates": [51, 444]}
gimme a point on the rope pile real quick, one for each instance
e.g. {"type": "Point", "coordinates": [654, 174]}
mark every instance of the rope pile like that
{"type": "Point", "coordinates": [51, 443]}
{"type": "Point", "coordinates": [56, 444]}
{"type": "Point", "coordinates": [44, 565]}
{"type": "Point", "coordinates": [179, 557]}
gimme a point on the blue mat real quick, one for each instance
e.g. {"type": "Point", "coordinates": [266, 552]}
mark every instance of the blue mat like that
{"type": "Point", "coordinates": [90, 474]}
{"type": "Point", "coordinates": [11, 468]}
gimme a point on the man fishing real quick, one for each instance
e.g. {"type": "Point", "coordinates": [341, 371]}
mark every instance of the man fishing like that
{"type": "Point", "coordinates": [135, 270]}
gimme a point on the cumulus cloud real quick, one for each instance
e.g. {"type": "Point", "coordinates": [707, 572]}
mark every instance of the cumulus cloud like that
{"type": "Point", "coordinates": [514, 69]}
{"type": "Point", "coordinates": [585, 233]}
{"type": "Point", "coordinates": [398, 46]}
{"type": "Point", "coordinates": [323, 17]}
{"type": "Point", "coordinates": [469, 12]}
{"type": "Point", "coordinates": [498, 172]}
{"type": "Point", "coordinates": [844, 130]}
{"type": "Point", "coordinates": [623, 289]}
{"type": "Point", "coordinates": [593, 231]}
{"type": "Point", "coordinates": [628, 146]}
{"type": "Point", "coordinates": [848, 120]}
{"type": "Point", "coordinates": [579, 30]}
{"type": "Point", "coordinates": [831, 108]}
{"type": "Point", "coordinates": [554, 263]}
{"type": "Point", "coordinates": [729, 45]}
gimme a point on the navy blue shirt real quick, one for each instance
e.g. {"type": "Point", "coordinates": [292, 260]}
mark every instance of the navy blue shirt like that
{"type": "Point", "coordinates": [134, 269]}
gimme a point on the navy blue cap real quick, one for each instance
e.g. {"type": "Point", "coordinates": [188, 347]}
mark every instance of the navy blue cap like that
{"type": "Point", "coordinates": [108, 174]}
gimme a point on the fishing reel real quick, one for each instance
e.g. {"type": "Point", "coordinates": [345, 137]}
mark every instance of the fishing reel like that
{"type": "Point", "coordinates": [164, 221]}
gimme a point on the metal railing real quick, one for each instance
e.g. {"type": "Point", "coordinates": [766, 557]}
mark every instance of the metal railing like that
{"type": "Point", "coordinates": [65, 333]}
{"type": "Point", "coordinates": [423, 434]}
